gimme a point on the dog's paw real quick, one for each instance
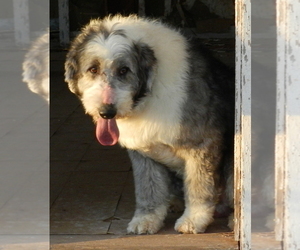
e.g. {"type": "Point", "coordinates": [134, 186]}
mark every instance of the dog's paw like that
{"type": "Point", "coordinates": [192, 224]}
{"type": "Point", "coordinates": [145, 224]}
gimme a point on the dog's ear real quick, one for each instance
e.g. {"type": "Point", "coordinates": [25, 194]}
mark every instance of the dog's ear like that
{"type": "Point", "coordinates": [147, 64]}
{"type": "Point", "coordinates": [71, 68]}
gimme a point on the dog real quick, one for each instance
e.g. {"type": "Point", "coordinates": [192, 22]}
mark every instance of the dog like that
{"type": "Point", "coordinates": [165, 99]}
{"type": "Point", "coordinates": [36, 67]}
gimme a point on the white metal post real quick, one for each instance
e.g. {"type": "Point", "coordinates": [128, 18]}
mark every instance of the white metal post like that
{"type": "Point", "coordinates": [288, 124]}
{"type": "Point", "coordinates": [243, 124]}
{"type": "Point", "coordinates": [280, 119]}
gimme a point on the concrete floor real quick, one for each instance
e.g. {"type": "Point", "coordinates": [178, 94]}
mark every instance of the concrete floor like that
{"type": "Point", "coordinates": [92, 192]}
{"type": "Point", "coordinates": [24, 157]}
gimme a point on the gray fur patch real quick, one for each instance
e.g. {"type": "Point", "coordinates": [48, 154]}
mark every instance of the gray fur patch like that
{"type": "Point", "coordinates": [152, 183]}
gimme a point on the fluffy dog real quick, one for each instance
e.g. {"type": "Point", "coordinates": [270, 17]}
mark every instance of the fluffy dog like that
{"type": "Point", "coordinates": [168, 102]}
{"type": "Point", "coordinates": [36, 67]}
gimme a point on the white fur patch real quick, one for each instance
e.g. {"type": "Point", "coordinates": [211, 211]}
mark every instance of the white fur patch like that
{"type": "Point", "coordinates": [109, 48]}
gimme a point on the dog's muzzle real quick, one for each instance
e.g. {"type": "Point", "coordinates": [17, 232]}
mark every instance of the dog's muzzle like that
{"type": "Point", "coordinates": [108, 111]}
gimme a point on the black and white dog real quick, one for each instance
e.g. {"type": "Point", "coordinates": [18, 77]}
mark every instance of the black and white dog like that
{"type": "Point", "coordinates": [169, 103]}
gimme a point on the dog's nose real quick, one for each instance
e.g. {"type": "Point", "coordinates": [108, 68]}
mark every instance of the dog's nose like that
{"type": "Point", "coordinates": [108, 111]}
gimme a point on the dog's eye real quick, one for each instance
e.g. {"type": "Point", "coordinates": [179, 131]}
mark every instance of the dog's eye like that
{"type": "Point", "coordinates": [123, 71]}
{"type": "Point", "coordinates": [93, 70]}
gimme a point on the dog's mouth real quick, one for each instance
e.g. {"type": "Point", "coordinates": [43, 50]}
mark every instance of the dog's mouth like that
{"type": "Point", "coordinates": [107, 131]}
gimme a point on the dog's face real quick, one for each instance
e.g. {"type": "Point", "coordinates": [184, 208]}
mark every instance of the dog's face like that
{"type": "Point", "coordinates": [111, 74]}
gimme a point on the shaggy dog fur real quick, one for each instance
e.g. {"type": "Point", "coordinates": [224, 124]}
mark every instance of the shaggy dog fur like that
{"type": "Point", "coordinates": [169, 103]}
{"type": "Point", "coordinates": [36, 67]}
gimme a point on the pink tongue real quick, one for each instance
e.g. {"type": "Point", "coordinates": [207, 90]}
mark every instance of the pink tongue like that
{"type": "Point", "coordinates": [107, 131]}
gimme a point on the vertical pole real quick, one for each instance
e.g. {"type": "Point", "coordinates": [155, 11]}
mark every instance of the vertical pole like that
{"type": "Point", "coordinates": [288, 124]}
{"type": "Point", "coordinates": [168, 7]}
{"type": "Point", "coordinates": [141, 8]}
{"type": "Point", "coordinates": [280, 119]}
{"type": "Point", "coordinates": [243, 125]}
{"type": "Point", "coordinates": [21, 22]}
{"type": "Point", "coordinates": [63, 19]}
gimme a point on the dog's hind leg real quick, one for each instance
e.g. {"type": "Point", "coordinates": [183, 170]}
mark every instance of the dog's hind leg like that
{"type": "Point", "coordinates": [200, 190]}
{"type": "Point", "coordinates": [152, 191]}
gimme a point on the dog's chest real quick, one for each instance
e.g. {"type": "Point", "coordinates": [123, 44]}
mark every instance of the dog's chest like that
{"type": "Point", "coordinates": [165, 155]}
{"type": "Point", "coordinates": [154, 140]}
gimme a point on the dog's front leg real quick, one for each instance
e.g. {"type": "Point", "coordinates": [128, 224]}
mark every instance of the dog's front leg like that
{"type": "Point", "coordinates": [152, 194]}
{"type": "Point", "coordinates": [200, 191]}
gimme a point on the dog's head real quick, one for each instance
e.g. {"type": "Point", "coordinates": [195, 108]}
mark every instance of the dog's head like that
{"type": "Point", "coordinates": [36, 67]}
{"type": "Point", "coordinates": [111, 73]}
